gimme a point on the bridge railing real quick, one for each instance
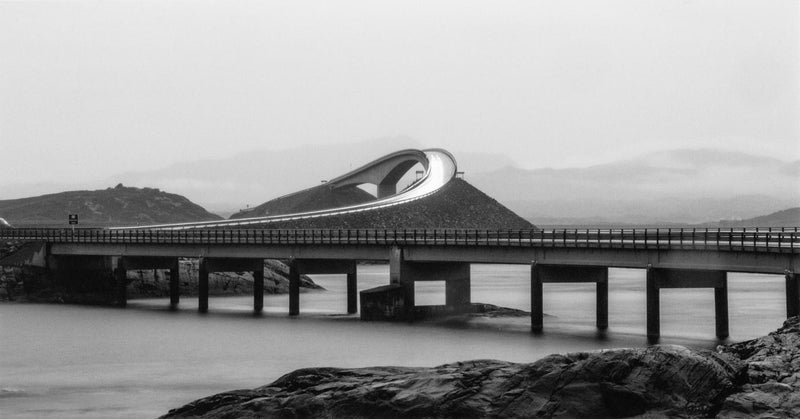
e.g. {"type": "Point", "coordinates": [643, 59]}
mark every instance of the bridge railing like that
{"type": "Point", "coordinates": [784, 239]}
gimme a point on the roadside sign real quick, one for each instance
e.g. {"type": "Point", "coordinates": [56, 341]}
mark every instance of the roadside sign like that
{"type": "Point", "coordinates": [73, 219]}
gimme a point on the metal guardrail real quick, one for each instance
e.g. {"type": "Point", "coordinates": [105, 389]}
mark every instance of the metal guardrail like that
{"type": "Point", "coordinates": [781, 239]}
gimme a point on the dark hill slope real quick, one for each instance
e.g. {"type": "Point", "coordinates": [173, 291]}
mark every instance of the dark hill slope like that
{"type": "Point", "coordinates": [113, 206]}
{"type": "Point", "coordinates": [311, 199]}
{"type": "Point", "coordinates": [785, 218]}
{"type": "Point", "coordinates": [457, 205]}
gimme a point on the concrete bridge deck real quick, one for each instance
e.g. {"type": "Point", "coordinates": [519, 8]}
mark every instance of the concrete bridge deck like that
{"type": "Point", "coordinates": [673, 258]}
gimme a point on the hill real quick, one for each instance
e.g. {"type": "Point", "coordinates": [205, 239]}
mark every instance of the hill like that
{"type": "Point", "coordinates": [311, 199]}
{"type": "Point", "coordinates": [112, 206]}
{"type": "Point", "coordinates": [786, 218]}
{"type": "Point", "coordinates": [457, 205]}
{"type": "Point", "coordinates": [678, 186]}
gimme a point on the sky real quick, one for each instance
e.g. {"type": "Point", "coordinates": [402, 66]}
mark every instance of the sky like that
{"type": "Point", "coordinates": [90, 89]}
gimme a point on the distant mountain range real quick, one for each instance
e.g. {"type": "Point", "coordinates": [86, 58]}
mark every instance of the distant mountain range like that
{"type": "Point", "coordinates": [677, 186]}
{"type": "Point", "coordinates": [112, 206]}
{"type": "Point", "coordinates": [681, 186]}
{"type": "Point", "coordinates": [785, 218]}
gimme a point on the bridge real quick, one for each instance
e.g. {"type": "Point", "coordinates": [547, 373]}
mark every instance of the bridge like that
{"type": "Point", "coordinates": [672, 258]}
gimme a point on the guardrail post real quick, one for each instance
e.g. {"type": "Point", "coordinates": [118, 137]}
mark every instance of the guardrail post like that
{"type": "Point", "coordinates": [537, 310]}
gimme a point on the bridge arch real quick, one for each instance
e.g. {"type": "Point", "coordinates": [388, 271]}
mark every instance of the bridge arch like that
{"type": "Point", "coordinates": [384, 172]}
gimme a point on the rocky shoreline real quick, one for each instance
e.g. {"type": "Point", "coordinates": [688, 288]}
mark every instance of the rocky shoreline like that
{"type": "Point", "coordinates": [756, 378]}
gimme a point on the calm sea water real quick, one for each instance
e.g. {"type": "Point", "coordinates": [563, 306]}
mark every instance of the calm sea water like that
{"type": "Point", "coordinates": [74, 361]}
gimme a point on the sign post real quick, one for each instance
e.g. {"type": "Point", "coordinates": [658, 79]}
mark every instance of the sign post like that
{"type": "Point", "coordinates": [73, 220]}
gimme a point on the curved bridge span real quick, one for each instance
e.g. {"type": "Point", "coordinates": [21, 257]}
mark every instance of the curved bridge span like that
{"type": "Point", "coordinates": [439, 169]}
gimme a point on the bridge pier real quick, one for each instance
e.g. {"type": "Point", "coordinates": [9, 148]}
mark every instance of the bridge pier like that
{"type": "Point", "coordinates": [792, 294]}
{"type": "Point", "coordinates": [125, 263]}
{"type": "Point", "coordinates": [174, 284]}
{"type": "Point", "coordinates": [456, 276]}
{"type": "Point", "coordinates": [299, 267]}
{"type": "Point", "coordinates": [208, 265]}
{"type": "Point", "coordinates": [658, 279]}
{"type": "Point", "coordinates": [541, 274]}
{"type": "Point", "coordinates": [202, 286]}
{"type": "Point", "coordinates": [121, 277]}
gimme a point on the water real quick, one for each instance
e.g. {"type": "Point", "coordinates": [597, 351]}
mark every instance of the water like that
{"type": "Point", "coordinates": [74, 361]}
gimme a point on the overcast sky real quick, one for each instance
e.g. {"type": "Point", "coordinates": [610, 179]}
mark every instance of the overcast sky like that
{"type": "Point", "coordinates": [90, 89]}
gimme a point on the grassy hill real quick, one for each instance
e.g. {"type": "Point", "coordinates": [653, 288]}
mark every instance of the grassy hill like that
{"type": "Point", "coordinates": [112, 206]}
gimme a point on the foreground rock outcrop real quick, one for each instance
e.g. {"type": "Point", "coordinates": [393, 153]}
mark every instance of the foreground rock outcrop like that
{"type": "Point", "coordinates": [772, 389]}
{"type": "Point", "coordinates": [754, 378]}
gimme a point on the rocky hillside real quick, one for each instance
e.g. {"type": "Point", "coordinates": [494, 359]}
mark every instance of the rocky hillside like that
{"type": "Point", "coordinates": [113, 206]}
{"type": "Point", "coordinates": [758, 378]}
{"type": "Point", "coordinates": [785, 218]}
{"type": "Point", "coordinates": [317, 198]}
{"type": "Point", "coordinates": [457, 205]}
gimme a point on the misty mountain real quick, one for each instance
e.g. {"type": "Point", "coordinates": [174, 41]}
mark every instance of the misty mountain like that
{"type": "Point", "coordinates": [688, 186]}
{"type": "Point", "coordinates": [786, 218]}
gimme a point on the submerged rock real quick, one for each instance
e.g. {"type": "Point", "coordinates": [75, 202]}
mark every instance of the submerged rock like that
{"type": "Point", "coordinates": [624, 382]}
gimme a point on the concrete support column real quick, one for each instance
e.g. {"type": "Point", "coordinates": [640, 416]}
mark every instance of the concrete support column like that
{"type": "Point", "coordinates": [121, 279]}
{"type": "Point", "coordinates": [653, 307]}
{"type": "Point", "coordinates": [386, 189]}
{"type": "Point", "coordinates": [684, 278]}
{"type": "Point", "coordinates": [721, 307]}
{"type": "Point", "coordinates": [537, 310]}
{"type": "Point", "coordinates": [294, 289]}
{"type": "Point", "coordinates": [457, 293]}
{"type": "Point", "coordinates": [174, 284]}
{"type": "Point", "coordinates": [398, 275]}
{"type": "Point", "coordinates": [352, 293]}
{"type": "Point", "coordinates": [792, 295]}
{"type": "Point", "coordinates": [202, 305]}
{"type": "Point", "coordinates": [602, 302]}
{"type": "Point", "coordinates": [258, 291]}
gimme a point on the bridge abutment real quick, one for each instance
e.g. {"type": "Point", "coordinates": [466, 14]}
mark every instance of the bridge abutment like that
{"type": "Point", "coordinates": [658, 279]}
{"type": "Point", "coordinates": [541, 274]}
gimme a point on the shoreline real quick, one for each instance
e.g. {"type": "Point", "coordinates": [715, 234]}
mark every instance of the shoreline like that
{"type": "Point", "coordinates": [753, 378]}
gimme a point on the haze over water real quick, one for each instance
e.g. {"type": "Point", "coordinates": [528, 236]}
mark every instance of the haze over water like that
{"type": "Point", "coordinates": [77, 361]}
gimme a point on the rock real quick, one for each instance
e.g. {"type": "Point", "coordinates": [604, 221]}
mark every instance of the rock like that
{"type": "Point", "coordinates": [773, 375]}
{"type": "Point", "coordinates": [659, 380]}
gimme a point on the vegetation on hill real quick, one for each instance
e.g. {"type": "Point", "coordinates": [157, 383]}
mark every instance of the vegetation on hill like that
{"type": "Point", "coordinates": [120, 205]}
{"type": "Point", "coordinates": [457, 205]}
{"type": "Point", "coordinates": [317, 198]}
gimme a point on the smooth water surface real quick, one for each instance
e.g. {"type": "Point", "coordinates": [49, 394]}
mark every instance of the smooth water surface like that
{"type": "Point", "coordinates": [76, 361]}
